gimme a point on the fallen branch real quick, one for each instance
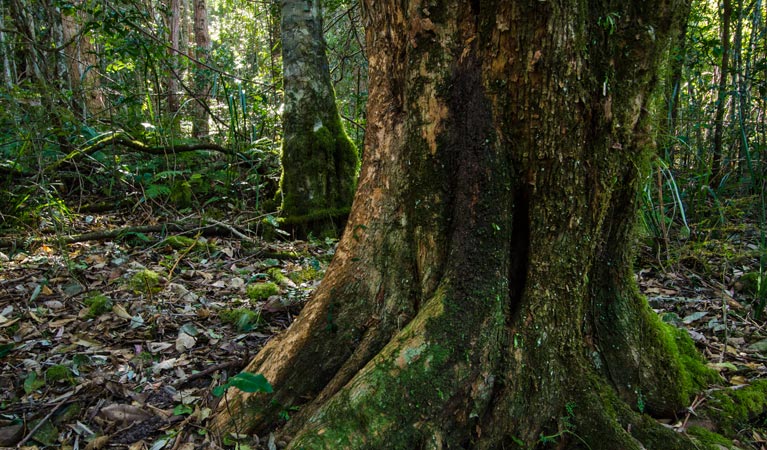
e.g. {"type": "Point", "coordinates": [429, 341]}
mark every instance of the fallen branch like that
{"type": "Point", "coordinates": [120, 139]}
{"type": "Point", "coordinates": [217, 229]}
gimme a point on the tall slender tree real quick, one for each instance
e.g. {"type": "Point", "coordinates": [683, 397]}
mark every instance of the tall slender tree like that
{"type": "Point", "coordinates": [202, 74]}
{"type": "Point", "coordinates": [319, 161]}
{"type": "Point", "coordinates": [481, 296]}
{"type": "Point", "coordinates": [722, 94]}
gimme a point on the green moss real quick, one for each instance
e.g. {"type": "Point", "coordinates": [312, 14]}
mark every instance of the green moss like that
{"type": "Point", "coordinates": [709, 439]}
{"type": "Point", "coordinates": [735, 409]}
{"type": "Point", "coordinates": [262, 291]}
{"type": "Point", "coordinates": [145, 282]}
{"type": "Point", "coordinates": [698, 375]}
{"type": "Point", "coordinates": [244, 319]}
{"type": "Point", "coordinates": [179, 242]}
{"type": "Point", "coordinates": [58, 373]}
{"type": "Point", "coordinates": [277, 275]}
{"type": "Point", "coordinates": [305, 274]}
{"type": "Point", "coordinates": [98, 304]}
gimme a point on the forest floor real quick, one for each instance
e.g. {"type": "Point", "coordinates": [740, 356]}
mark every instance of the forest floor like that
{"type": "Point", "coordinates": [119, 343]}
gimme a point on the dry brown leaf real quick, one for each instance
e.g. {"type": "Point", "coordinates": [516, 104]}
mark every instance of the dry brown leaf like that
{"type": "Point", "coordinates": [121, 312]}
{"type": "Point", "coordinates": [125, 414]}
{"type": "Point", "coordinates": [98, 443]}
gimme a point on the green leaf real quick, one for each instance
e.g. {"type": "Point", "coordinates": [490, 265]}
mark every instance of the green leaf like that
{"type": "Point", "coordinates": [249, 382]}
{"type": "Point", "coordinates": [32, 383]}
{"type": "Point", "coordinates": [5, 349]}
{"type": "Point", "coordinates": [694, 317]}
{"type": "Point", "coordinates": [271, 220]}
{"type": "Point", "coordinates": [189, 329]}
{"type": "Point", "coordinates": [246, 382]}
{"type": "Point", "coordinates": [180, 410]}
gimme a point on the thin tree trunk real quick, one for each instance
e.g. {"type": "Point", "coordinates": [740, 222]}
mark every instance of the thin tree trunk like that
{"type": "Point", "coordinates": [481, 296]}
{"type": "Point", "coordinates": [200, 128]}
{"type": "Point", "coordinates": [721, 102]}
{"type": "Point", "coordinates": [175, 20]}
{"type": "Point", "coordinates": [5, 49]}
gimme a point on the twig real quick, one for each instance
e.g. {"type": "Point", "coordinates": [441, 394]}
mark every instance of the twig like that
{"type": "Point", "coordinates": [211, 369]}
{"type": "Point", "coordinates": [231, 229]}
{"type": "Point", "coordinates": [42, 421]}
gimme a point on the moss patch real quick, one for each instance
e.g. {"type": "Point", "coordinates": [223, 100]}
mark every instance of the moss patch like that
{"type": "Point", "coordinates": [98, 304]}
{"type": "Point", "coordinates": [58, 373]}
{"type": "Point", "coordinates": [737, 409]}
{"type": "Point", "coordinates": [708, 439]}
{"type": "Point", "coordinates": [145, 282]}
{"type": "Point", "coordinates": [262, 291]}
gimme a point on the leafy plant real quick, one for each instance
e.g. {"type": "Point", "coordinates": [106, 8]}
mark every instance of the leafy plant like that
{"type": "Point", "coordinates": [246, 382]}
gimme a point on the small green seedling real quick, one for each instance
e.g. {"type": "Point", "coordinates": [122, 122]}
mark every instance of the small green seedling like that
{"type": "Point", "coordinates": [246, 382]}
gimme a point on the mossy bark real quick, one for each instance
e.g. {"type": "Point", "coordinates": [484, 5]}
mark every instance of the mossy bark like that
{"type": "Point", "coordinates": [319, 161]}
{"type": "Point", "coordinates": [481, 296]}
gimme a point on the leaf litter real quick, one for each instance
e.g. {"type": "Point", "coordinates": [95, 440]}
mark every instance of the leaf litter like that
{"type": "Point", "coordinates": [113, 344]}
{"type": "Point", "coordinates": [107, 344]}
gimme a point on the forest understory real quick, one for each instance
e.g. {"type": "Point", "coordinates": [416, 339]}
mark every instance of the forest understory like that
{"type": "Point", "coordinates": [120, 342]}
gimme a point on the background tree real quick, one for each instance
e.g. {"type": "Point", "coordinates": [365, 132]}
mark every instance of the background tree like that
{"type": "Point", "coordinates": [318, 159]}
{"type": "Point", "coordinates": [202, 75]}
{"type": "Point", "coordinates": [81, 61]}
{"type": "Point", "coordinates": [481, 296]}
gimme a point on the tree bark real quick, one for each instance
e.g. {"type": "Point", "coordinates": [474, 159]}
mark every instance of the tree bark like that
{"type": "Point", "coordinates": [6, 50]}
{"type": "Point", "coordinates": [721, 101]}
{"type": "Point", "coordinates": [173, 28]}
{"type": "Point", "coordinates": [481, 296]}
{"type": "Point", "coordinates": [82, 65]}
{"type": "Point", "coordinates": [200, 128]}
{"type": "Point", "coordinates": [318, 159]}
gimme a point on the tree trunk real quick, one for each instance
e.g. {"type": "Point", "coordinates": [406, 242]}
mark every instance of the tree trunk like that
{"type": "Point", "coordinates": [721, 100]}
{"type": "Point", "coordinates": [200, 128]}
{"type": "Point", "coordinates": [6, 51]}
{"type": "Point", "coordinates": [318, 159]}
{"type": "Point", "coordinates": [82, 63]}
{"type": "Point", "coordinates": [481, 296]}
{"type": "Point", "coordinates": [173, 29]}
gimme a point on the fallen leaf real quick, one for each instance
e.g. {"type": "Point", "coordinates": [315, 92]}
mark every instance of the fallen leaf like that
{"type": "Point", "coordinates": [164, 365]}
{"type": "Point", "coordinates": [156, 347]}
{"type": "Point", "coordinates": [11, 435]}
{"type": "Point", "coordinates": [694, 317]}
{"type": "Point", "coordinates": [120, 312]}
{"type": "Point", "coordinates": [124, 414]}
{"type": "Point", "coordinates": [97, 443]}
{"type": "Point", "coordinates": [760, 346]}
{"type": "Point", "coordinates": [184, 342]}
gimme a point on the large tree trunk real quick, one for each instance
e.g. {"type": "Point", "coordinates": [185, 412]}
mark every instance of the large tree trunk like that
{"type": "Point", "coordinates": [481, 296]}
{"type": "Point", "coordinates": [318, 159]}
